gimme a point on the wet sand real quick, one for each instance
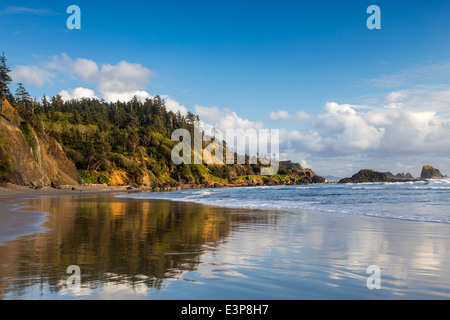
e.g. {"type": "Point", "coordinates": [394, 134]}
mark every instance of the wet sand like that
{"type": "Point", "coordinates": [15, 221]}
{"type": "Point", "coordinates": [21, 192]}
{"type": "Point", "coordinates": [155, 249]}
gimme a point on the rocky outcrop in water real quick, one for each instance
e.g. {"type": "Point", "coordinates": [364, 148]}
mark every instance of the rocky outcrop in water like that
{"type": "Point", "coordinates": [367, 175]}
{"type": "Point", "coordinates": [428, 172]}
{"type": "Point", "coordinates": [400, 176]}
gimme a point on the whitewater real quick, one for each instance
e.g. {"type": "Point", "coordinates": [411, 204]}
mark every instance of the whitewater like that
{"type": "Point", "coordinates": [427, 201]}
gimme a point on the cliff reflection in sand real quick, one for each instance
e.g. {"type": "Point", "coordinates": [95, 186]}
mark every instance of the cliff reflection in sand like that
{"type": "Point", "coordinates": [113, 240]}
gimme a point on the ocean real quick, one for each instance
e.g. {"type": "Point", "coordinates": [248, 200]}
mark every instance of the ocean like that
{"type": "Point", "coordinates": [426, 201]}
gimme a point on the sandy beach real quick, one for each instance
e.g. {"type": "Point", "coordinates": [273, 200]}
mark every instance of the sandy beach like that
{"type": "Point", "coordinates": [12, 192]}
{"type": "Point", "coordinates": [157, 249]}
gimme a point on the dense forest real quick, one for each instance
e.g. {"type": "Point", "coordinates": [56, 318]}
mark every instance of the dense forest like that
{"type": "Point", "coordinates": [125, 143]}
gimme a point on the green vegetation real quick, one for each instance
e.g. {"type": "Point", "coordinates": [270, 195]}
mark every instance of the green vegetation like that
{"type": "Point", "coordinates": [5, 79]}
{"type": "Point", "coordinates": [90, 177]}
{"type": "Point", "coordinates": [134, 137]}
{"type": "Point", "coordinates": [127, 143]}
{"type": "Point", "coordinates": [6, 165]}
{"type": "Point", "coordinates": [27, 132]}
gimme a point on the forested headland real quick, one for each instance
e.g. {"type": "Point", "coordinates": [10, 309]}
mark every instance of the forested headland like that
{"type": "Point", "coordinates": [123, 143]}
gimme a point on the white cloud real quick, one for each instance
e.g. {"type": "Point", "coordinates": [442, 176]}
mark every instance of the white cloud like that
{"type": "Point", "coordinates": [24, 10]}
{"type": "Point", "coordinates": [77, 93]}
{"type": "Point", "coordinates": [418, 124]}
{"type": "Point", "coordinates": [174, 106]}
{"type": "Point", "coordinates": [355, 133]}
{"type": "Point", "coordinates": [305, 164]}
{"type": "Point", "coordinates": [116, 82]}
{"type": "Point", "coordinates": [232, 121]}
{"type": "Point", "coordinates": [283, 115]}
{"type": "Point", "coordinates": [122, 77]}
{"type": "Point", "coordinates": [300, 142]}
{"type": "Point", "coordinates": [124, 96]}
{"type": "Point", "coordinates": [396, 96]}
{"type": "Point", "coordinates": [207, 114]}
{"type": "Point", "coordinates": [86, 69]}
{"type": "Point", "coordinates": [223, 119]}
{"type": "Point", "coordinates": [425, 73]}
{"type": "Point", "coordinates": [61, 63]}
{"type": "Point", "coordinates": [31, 74]}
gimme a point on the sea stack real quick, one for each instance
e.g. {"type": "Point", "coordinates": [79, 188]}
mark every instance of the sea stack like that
{"type": "Point", "coordinates": [366, 175]}
{"type": "Point", "coordinates": [428, 172]}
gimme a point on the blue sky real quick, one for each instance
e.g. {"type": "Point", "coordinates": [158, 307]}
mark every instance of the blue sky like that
{"type": "Point", "coordinates": [310, 68]}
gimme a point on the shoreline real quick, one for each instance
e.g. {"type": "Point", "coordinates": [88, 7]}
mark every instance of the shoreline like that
{"type": "Point", "coordinates": [344, 246]}
{"type": "Point", "coordinates": [13, 192]}
{"type": "Point", "coordinates": [17, 218]}
{"type": "Point", "coordinates": [16, 192]}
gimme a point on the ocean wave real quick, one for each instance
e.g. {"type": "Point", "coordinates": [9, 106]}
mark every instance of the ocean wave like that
{"type": "Point", "coordinates": [418, 201]}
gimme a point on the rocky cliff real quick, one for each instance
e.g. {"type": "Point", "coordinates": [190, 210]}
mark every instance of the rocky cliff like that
{"type": "Point", "coordinates": [31, 158]}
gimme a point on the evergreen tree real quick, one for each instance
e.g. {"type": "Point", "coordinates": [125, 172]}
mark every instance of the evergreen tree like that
{"type": "Point", "coordinates": [57, 103]}
{"type": "Point", "coordinates": [5, 79]}
{"type": "Point", "coordinates": [22, 95]}
{"type": "Point", "coordinates": [45, 102]}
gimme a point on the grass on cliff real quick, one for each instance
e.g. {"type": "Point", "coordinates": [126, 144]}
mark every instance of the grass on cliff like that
{"type": "Point", "coordinates": [91, 177]}
{"type": "Point", "coordinates": [6, 165]}
{"type": "Point", "coordinates": [27, 132]}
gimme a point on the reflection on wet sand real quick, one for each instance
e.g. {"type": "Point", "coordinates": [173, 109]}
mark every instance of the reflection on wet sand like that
{"type": "Point", "coordinates": [113, 240]}
{"type": "Point", "coordinates": [156, 249]}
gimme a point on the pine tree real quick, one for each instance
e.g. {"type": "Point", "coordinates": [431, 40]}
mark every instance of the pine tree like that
{"type": "Point", "coordinates": [57, 102]}
{"type": "Point", "coordinates": [45, 102]}
{"type": "Point", "coordinates": [5, 79]}
{"type": "Point", "coordinates": [22, 95]}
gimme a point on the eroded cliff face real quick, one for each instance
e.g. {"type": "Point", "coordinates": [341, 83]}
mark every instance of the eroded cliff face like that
{"type": "Point", "coordinates": [30, 158]}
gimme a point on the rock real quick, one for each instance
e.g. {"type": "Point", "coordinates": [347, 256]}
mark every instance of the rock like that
{"type": "Point", "coordinates": [291, 165]}
{"type": "Point", "coordinates": [367, 175]}
{"type": "Point", "coordinates": [428, 172]}
{"type": "Point", "coordinates": [317, 179]}
{"type": "Point", "coordinates": [400, 176]}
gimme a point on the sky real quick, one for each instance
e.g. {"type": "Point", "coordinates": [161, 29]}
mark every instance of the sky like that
{"type": "Point", "coordinates": [344, 97]}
